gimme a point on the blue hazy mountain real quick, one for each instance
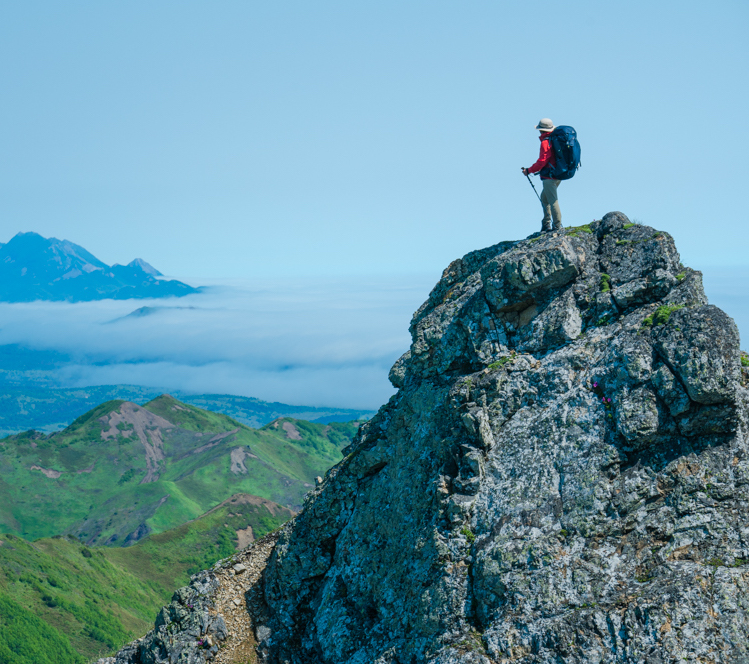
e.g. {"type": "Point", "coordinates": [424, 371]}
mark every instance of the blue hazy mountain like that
{"type": "Point", "coordinates": [36, 268]}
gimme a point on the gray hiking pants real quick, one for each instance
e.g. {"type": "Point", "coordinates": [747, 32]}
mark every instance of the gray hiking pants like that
{"type": "Point", "coordinates": [550, 203]}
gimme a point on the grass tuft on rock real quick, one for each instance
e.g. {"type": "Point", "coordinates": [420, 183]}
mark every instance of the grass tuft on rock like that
{"type": "Point", "coordinates": [575, 231]}
{"type": "Point", "coordinates": [661, 315]}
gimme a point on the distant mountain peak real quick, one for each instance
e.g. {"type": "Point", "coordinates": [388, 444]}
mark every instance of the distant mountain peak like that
{"type": "Point", "coordinates": [146, 267]}
{"type": "Point", "coordinates": [141, 312]}
{"type": "Point", "coordinates": [33, 267]}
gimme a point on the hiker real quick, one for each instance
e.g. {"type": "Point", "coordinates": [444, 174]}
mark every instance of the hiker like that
{"type": "Point", "coordinates": [546, 158]}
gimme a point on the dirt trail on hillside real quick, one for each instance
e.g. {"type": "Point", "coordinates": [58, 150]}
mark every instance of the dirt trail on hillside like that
{"type": "Point", "coordinates": [237, 593]}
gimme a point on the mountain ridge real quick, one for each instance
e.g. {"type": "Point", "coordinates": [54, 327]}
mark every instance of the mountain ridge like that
{"type": "Point", "coordinates": [36, 268]}
{"type": "Point", "coordinates": [562, 477]}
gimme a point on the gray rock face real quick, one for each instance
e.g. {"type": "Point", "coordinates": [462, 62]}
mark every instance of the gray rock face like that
{"type": "Point", "coordinates": [562, 476]}
{"type": "Point", "coordinates": [700, 345]}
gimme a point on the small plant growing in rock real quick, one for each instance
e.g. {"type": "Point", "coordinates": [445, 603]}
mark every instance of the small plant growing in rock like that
{"type": "Point", "coordinates": [745, 361]}
{"type": "Point", "coordinates": [466, 532]}
{"type": "Point", "coordinates": [598, 391]}
{"type": "Point", "coordinates": [471, 643]}
{"type": "Point", "coordinates": [661, 315]}
{"type": "Point", "coordinates": [575, 231]}
{"type": "Point", "coordinates": [605, 283]}
{"type": "Point", "coordinates": [502, 361]}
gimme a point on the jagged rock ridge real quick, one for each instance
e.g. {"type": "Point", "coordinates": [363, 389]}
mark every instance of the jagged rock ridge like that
{"type": "Point", "coordinates": [561, 477]}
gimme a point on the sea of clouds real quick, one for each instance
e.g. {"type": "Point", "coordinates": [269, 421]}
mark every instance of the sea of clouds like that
{"type": "Point", "coordinates": [318, 342]}
{"type": "Point", "coordinates": [327, 342]}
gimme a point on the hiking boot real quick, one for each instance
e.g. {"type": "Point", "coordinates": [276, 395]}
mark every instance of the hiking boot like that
{"type": "Point", "coordinates": [546, 228]}
{"type": "Point", "coordinates": [558, 226]}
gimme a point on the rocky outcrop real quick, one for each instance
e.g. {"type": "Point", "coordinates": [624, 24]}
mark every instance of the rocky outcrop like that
{"type": "Point", "coordinates": [562, 476]}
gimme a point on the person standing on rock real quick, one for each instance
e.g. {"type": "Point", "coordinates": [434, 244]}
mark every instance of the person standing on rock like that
{"type": "Point", "coordinates": [546, 158]}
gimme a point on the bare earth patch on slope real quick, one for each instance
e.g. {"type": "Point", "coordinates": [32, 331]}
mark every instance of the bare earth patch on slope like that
{"type": "Point", "coordinates": [147, 427]}
{"type": "Point", "coordinates": [48, 472]}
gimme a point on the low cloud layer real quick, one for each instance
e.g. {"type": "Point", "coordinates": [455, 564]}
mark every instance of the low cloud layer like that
{"type": "Point", "coordinates": [313, 342]}
{"type": "Point", "coordinates": [728, 288]}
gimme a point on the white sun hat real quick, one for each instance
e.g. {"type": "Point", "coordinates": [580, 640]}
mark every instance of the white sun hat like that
{"type": "Point", "coordinates": [544, 124]}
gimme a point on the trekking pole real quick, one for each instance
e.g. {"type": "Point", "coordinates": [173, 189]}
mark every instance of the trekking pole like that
{"type": "Point", "coordinates": [533, 185]}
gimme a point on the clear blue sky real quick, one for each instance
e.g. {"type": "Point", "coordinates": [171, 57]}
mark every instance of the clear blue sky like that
{"type": "Point", "coordinates": [240, 139]}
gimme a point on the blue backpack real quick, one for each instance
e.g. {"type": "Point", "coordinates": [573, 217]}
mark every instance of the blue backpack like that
{"type": "Point", "coordinates": [563, 141]}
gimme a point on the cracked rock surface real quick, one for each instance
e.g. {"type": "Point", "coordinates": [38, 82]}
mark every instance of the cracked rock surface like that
{"type": "Point", "coordinates": [562, 476]}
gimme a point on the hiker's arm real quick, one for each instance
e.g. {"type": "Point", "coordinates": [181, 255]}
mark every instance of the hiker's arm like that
{"type": "Point", "coordinates": [543, 157]}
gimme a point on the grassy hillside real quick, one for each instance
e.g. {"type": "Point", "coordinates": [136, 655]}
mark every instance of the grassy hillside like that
{"type": "Point", "coordinates": [27, 639]}
{"type": "Point", "coordinates": [63, 602]}
{"type": "Point", "coordinates": [169, 558]}
{"type": "Point", "coordinates": [123, 471]}
{"type": "Point", "coordinates": [168, 487]}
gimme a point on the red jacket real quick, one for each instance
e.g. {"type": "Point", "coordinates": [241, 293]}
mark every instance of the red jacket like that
{"type": "Point", "coordinates": [545, 156]}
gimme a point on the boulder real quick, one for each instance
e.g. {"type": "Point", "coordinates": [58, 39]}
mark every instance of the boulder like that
{"type": "Point", "coordinates": [701, 346]}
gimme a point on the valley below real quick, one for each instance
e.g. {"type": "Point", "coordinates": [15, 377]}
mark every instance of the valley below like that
{"type": "Point", "coordinates": [101, 522]}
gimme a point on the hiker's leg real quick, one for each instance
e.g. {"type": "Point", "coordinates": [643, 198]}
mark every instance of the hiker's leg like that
{"type": "Point", "coordinates": [550, 193]}
{"type": "Point", "coordinates": [556, 211]}
{"type": "Point", "coordinates": [545, 204]}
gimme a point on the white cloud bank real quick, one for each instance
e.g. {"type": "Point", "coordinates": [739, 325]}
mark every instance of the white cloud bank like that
{"type": "Point", "coordinates": [315, 342]}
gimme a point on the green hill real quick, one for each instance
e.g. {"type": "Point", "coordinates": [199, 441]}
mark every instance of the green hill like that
{"type": "Point", "coordinates": [62, 602]}
{"type": "Point", "coordinates": [123, 471]}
